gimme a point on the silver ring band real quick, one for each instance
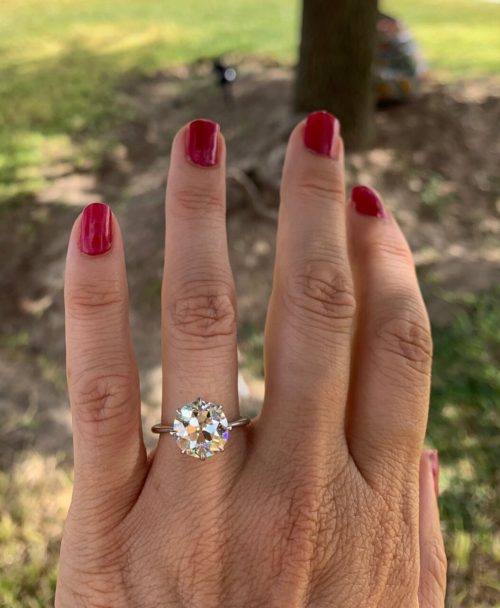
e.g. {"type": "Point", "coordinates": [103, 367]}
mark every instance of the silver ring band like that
{"type": "Point", "coordinates": [166, 428]}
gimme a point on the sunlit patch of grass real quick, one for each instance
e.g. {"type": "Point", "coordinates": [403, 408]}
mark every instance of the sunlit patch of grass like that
{"type": "Point", "coordinates": [459, 37]}
{"type": "Point", "coordinates": [34, 499]}
{"type": "Point", "coordinates": [463, 425]}
{"type": "Point", "coordinates": [72, 97]}
{"type": "Point", "coordinates": [61, 62]}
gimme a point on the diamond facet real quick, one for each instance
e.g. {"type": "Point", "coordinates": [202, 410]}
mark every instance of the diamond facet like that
{"type": "Point", "coordinates": [201, 429]}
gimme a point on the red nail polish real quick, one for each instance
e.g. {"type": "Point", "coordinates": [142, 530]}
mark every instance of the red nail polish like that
{"type": "Point", "coordinates": [202, 140]}
{"type": "Point", "coordinates": [321, 133]}
{"type": "Point", "coordinates": [434, 460]}
{"type": "Point", "coordinates": [367, 202]}
{"type": "Point", "coordinates": [95, 234]}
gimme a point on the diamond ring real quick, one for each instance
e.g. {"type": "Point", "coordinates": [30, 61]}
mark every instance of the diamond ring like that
{"type": "Point", "coordinates": [201, 428]}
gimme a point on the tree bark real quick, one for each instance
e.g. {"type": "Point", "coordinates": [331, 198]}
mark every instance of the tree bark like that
{"type": "Point", "coordinates": [335, 64]}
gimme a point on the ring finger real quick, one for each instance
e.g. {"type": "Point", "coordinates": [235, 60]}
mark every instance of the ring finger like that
{"type": "Point", "coordinates": [308, 331]}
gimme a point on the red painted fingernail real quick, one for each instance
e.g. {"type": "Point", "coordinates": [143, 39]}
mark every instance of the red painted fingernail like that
{"type": "Point", "coordinates": [202, 140]}
{"type": "Point", "coordinates": [321, 133]}
{"type": "Point", "coordinates": [95, 234]}
{"type": "Point", "coordinates": [434, 460]}
{"type": "Point", "coordinates": [367, 202]}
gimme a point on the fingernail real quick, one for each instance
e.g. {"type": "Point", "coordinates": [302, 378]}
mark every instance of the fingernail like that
{"type": "Point", "coordinates": [433, 457]}
{"type": "Point", "coordinates": [203, 136]}
{"type": "Point", "coordinates": [367, 202]}
{"type": "Point", "coordinates": [95, 234]}
{"type": "Point", "coordinates": [321, 133]}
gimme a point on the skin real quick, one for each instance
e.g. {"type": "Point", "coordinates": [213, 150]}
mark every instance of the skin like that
{"type": "Point", "coordinates": [326, 499]}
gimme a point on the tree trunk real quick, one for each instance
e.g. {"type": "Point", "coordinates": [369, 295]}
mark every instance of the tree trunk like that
{"type": "Point", "coordinates": [335, 64]}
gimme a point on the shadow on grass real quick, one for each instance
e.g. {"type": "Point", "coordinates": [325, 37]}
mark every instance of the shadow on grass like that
{"type": "Point", "coordinates": [73, 98]}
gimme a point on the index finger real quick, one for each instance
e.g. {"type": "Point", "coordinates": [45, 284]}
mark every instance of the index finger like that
{"type": "Point", "coordinates": [102, 373]}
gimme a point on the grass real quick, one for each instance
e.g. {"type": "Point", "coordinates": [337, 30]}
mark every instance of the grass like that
{"type": "Point", "coordinates": [463, 424]}
{"type": "Point", "coordinates": [61, 62]}
{"type": "Point", "coordinates": [457, 35]}
{"type": "Point", "coordinates": [460, 38]}
{"type": "Point", "coordinates": [34, 499]}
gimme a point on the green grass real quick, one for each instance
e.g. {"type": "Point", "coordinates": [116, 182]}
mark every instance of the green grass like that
{"type": "Point", "coordinates": [34, 499]}
{"type": "Point", "coordinates": [457, 35]}
{"type": "Point", "coordinates": [61, 62]}
{"type": "Point", "coordinates": [463, 424]}
{"type": "Point", "coordinates": [460, 38]}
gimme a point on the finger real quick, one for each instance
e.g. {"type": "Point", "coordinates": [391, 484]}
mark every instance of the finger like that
{"type": "Point", "coordinates": [308, 330]}
{"type": "Point", "coordinates": [102, 374]}
{"type": "Point", "coordinates": [198, 298]}
{"type": "Point", "coordinates": [432, 585]}
{"type": "Point", "coordinates": [390, 381]}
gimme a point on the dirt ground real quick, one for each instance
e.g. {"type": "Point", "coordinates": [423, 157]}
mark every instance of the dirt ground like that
{"type": "Point", "coordinates": [435, 161]}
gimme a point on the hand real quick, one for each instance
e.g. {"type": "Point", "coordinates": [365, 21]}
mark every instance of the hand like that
{"type": "Point", "coordinates": [314, 504]}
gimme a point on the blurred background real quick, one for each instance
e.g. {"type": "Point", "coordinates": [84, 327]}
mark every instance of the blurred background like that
{"type": "Point", "coordinates": [90, 97]}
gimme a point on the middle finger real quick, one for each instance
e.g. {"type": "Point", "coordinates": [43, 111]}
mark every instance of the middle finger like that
{"type": "Point", "coordinates": [308, 330]}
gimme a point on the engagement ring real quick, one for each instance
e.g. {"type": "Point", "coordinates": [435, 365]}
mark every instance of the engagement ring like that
{"type": "Point", "coordinates": [201, 428]}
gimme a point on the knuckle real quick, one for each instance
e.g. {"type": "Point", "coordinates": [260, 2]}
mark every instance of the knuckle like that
{"type": "Point", "coordinates": [206, 311]}
{"type": "Point", "coordinates": [93, 299]}
{"type": "Point", "coordinates": [99, 399]}
{"type": "Point", "coordinates": [319, 185]}
{"type": "Point", "coordinates": [196, 200]}
{"type": "Point", "coordinates": [388, 251]}
{"type": "Point", "coordinates": [404, 333]}
{"type": "Point", "coordinates": [321, 292]}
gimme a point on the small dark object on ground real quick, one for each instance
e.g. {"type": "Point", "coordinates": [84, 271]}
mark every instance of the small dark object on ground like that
{"type": "Point", "coordinates": [226, 75]}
